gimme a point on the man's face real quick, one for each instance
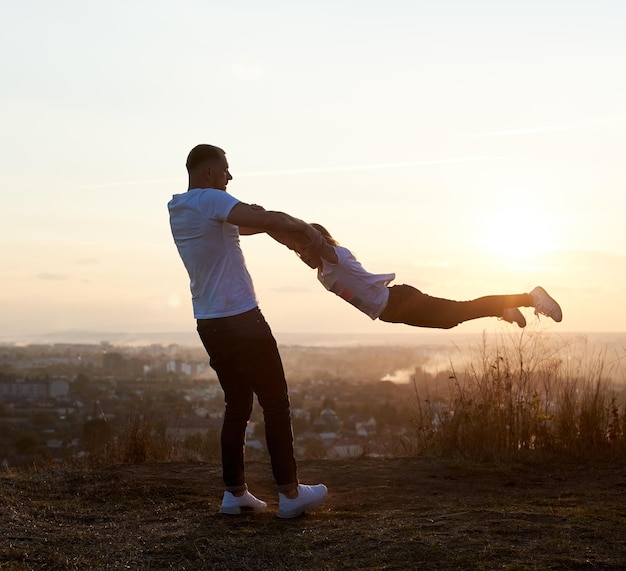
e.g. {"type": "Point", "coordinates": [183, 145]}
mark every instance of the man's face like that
{"type": "Point", "coordinates": [217, 174]}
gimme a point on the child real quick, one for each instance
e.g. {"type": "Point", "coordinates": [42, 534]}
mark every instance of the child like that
{"type": "Point", "coordinates": [344, 276]}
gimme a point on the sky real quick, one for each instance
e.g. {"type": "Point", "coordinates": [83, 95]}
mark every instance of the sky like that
{"type": "Point", "coordinates": [471, 147]}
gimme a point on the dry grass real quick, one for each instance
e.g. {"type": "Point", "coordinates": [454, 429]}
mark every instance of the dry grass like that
{"type": "Point", "coordinates": [521, 397]}
{"type": "Point", "coordinates": [403, 513]}
{"type": "Point", "coordinates": [140, 439]}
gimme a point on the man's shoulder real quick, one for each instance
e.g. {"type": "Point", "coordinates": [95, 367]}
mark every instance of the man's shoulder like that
{"type": "Point", "coordinates": [214, 194]}
{"type": "Point", "coordinates": [203, 196]}
{"type": "Point", "coordinates": [195, 192]}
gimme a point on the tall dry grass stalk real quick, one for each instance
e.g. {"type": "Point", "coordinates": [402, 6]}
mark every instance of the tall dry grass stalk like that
{"type": "Point", "coordinates": [142, 437]}
{"type": "Point", "coordinates": [529, 395]}
{"type": "Point", "coordinates": [136, 440]}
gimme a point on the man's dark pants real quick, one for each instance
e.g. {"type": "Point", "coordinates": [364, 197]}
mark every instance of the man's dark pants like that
{"type": "Point", "coordinates": [244, 354]}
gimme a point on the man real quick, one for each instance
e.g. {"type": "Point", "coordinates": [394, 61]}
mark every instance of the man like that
{"type": "Point", "coordinates": [206, 223]}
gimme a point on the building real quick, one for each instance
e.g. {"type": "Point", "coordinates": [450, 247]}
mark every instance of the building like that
{"type": "Point", "coordinates": [33, 389]}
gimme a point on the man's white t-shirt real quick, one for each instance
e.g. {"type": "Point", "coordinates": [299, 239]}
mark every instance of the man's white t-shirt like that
{"type": "Point", "coordinates": [209, 247]}
{"type": "Point", "coordinates": [352, 282]}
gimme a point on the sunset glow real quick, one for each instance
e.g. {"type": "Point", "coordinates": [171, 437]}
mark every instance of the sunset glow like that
{"type": "Point", "coordinates": [470, 147]}
{"type": "Point", "coordinates": [518, 235]}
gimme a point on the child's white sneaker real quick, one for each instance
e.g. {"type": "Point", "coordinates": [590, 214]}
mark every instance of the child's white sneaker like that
{"type": "Point", "coordinates": [514, 315]}
{"type": "Point", "coordinates": [234, 505]}
{"type": "Point", "coordinates": [545, 305]}
{"type": "Point", "coordinates": [308, 498]}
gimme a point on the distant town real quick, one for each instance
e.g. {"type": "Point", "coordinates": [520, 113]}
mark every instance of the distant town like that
{"type": "Point", "coordinates": [66, 402]}
{"type": "Point", "coordinates": [59, 401]}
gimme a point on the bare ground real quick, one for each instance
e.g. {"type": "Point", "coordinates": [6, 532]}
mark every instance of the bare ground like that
{"type": "Point", "coordinates": [402, 513]}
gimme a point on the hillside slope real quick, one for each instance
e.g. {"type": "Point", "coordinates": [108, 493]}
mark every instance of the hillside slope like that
{"type": "Point", "coordinates": [404, 513]}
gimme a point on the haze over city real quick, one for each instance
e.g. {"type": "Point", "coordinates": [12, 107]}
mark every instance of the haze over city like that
{"type": "Point", "coordinates": [470, 147]}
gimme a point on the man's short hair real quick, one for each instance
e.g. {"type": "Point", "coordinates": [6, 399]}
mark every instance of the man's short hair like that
{"type": "Point", "coordinates": [203, 153]}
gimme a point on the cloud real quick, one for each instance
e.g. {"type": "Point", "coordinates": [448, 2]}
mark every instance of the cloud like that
{"type": "Point", "coordinates": [545, 128]}
{"type": "Point", "coordinates": [305, 170]}
{"type": "Point", "coordinates": [130, 183]}
{"type": "Point", "coordinates": [381, 166]}
{"type": "Point", "coordinates": [598, 259]}
{"type": "Point", "coordinates": [86, 261]}
{"type": "Point", "coordinates": [51, 276]}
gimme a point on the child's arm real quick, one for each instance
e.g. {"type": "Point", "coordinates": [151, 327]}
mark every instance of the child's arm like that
{"type": "Point", "coordinates": [294, 241]}
{"type": "Point", "coordinates": [309, 257]}
{"type": "Point", "coordinates": [286, 238]}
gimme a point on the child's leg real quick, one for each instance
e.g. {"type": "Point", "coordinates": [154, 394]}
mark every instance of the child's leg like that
{"type": "Point", "coordinates": [409, 305]}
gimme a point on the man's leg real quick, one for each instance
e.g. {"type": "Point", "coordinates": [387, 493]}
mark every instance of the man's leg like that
{"type": "Point", "coordinates": [245, 356]}
{"type": "Point", "coordinates": [225, 358]}
{"type": "Point", "coordinates": [257, 360]}
{"type": "Point", "coordinates": [270, 386]}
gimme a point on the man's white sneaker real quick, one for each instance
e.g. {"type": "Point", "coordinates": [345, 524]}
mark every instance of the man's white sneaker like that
{"type": "Point", "coordinates": [545, 305]}
{"type": "Point", "coordinates": [308, 498]}
{"type": "Point", "coordinates": [514, 315]}
{"type": "Point", "coordinates": [234, 505]}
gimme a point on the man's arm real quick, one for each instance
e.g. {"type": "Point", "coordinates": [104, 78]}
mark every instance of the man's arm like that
{"type": "Point", "coordinates": [248, 231]}
{"type": "Point", "coordinates": [306, 254]}
{"type": "Point", "coordinates": [245, 231]}
{"type": "Point", "coordinates": [253, 219]}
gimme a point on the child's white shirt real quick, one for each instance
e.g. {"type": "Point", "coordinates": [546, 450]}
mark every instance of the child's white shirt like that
{"type": "Point", "coordinates": [352, 282]}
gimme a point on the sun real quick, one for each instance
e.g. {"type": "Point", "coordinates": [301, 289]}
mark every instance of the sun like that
{"type": "Point", "coordinates": [517, 235]}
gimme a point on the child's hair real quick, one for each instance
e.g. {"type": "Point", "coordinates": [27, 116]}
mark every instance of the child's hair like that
{"type": "Point", "coordinates": [315, 261]}
{"type": "Point", "coordinates": [329, 239]}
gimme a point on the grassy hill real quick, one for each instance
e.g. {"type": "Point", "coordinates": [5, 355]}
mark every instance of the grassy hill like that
{"type": "Point", "coordinates": [403, 513]}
